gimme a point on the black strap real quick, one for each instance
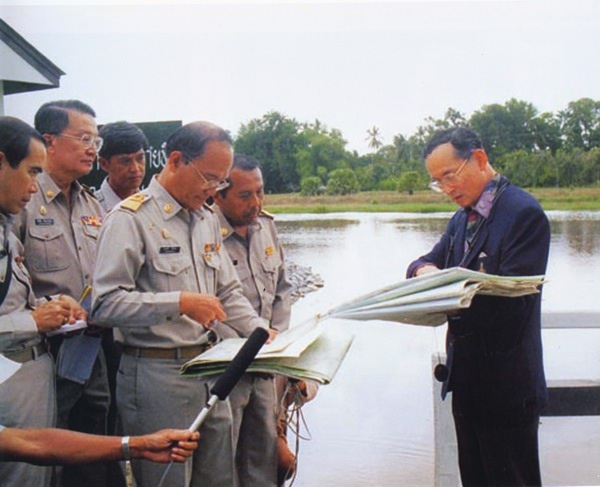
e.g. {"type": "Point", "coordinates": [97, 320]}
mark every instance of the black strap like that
{"type": "Point", "coordinates": [7, 278]}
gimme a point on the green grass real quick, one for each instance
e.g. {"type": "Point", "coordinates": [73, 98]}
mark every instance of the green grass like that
{"type": "Point", "coordinates": [567, 199]}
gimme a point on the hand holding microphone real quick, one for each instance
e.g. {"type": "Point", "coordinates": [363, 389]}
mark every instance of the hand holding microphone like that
{"type": "Point", "coordinates": [228, 379]}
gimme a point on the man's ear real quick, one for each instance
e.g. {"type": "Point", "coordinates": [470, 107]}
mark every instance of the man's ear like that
{"type": "Point", "coordinates": [103, 163]}
{"type": "Point", "coordinates": [49, 142]}
{"type": "Point", "coordinates": [480, 158]}
{"type": "Point", "coordinates": [176, 159]}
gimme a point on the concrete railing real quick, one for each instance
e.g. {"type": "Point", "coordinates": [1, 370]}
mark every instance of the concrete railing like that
{"type": "Point", "coordinates": [565, 398]}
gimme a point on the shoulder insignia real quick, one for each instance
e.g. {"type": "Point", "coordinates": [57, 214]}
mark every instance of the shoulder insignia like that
{"type": "Point", "coordinates": [208, 207]}
{"type": "Point", "coordinates": [134, 202]}
{"type": "Point", "coordinates": [88, 190]}
{"type": "Point", "coordinates": [267, 214]}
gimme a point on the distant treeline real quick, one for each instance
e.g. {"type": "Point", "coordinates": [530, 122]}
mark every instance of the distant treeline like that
{"type": "Point", "coordinates": [532, 149]}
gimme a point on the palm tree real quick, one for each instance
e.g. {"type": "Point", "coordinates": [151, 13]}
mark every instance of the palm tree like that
{"type": "Point", "coordinates": [374, 138]}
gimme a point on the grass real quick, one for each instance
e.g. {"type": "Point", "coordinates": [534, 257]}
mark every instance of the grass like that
{"type": "Point", "coordinates": [566, 199]}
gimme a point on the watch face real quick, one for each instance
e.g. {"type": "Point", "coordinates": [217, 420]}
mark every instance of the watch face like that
{"type": "Point", "coordinates": [441, 372]}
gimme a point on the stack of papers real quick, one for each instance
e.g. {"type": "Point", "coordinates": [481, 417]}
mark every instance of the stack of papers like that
{"type": "Point", "coordinates": [306, 351]}
{"type": "Point", "coordinates": [427, 300]}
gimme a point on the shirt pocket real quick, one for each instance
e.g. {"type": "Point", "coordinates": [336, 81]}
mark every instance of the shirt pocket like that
{"type": "Point", "coordinates": [91, 231]}
{"type": "Point", "coordinates": [172, 272]}
{"type": "Point", "coordinates": [270, 267]}
{"type": "Point", "coordinates": [212, 261]}
{"type": "Point", "coordinates": [47, 249]}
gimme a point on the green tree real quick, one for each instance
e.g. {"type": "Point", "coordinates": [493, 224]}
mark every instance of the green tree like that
{"type": "Point", "coordinates": [274, 140]}
{"type": "Point", "coordinates": [580, 124]}
{"type": "Point", "coordinates": [409, 182]}
{"type": "Point", "coordinates": [310, 186]}
{"type": "Point", "coordinates": [342, 181]}
{"type": "Point", "coordinates": [322, 151]}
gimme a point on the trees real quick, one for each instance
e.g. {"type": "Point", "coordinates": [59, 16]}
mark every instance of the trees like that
{"type": "Point", "coordinates": [532, 149]}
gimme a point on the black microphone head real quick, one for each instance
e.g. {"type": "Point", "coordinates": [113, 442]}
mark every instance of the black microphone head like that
{"type": "Point", "coordinates": [240, 363]}
{"type": "Point", "coordinates": [441, 372]}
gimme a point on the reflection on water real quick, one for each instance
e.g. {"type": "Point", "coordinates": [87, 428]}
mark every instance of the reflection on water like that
{"type": "Point", "coordinates": [373, 426]}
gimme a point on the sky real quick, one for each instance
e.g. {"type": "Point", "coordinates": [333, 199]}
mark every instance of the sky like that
{"type": "Point", "coordinates": [350, 65]}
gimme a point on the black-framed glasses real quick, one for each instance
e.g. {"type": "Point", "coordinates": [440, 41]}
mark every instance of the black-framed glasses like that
{"type": "Point", "coordinates": [451, 178]}
{"type": "Point", "coordinates": [88, 140]}
{"type": "Point", "coordinates": [211, 184]}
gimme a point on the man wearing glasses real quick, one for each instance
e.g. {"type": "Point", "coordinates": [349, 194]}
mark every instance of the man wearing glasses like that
{"type": "Point", "coordinates": [59, 229]}
{"type": "Point", "coordinates": [494, 367]}
{"type": "Point", "coordinates": [163, 279]}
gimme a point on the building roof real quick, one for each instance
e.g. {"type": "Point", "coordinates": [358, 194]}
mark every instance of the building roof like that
{"type": "Point", "coordinates": [23, 67]}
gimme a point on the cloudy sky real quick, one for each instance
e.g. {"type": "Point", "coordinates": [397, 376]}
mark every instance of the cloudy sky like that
{"type": "Point", "coordinates": [351, 65]}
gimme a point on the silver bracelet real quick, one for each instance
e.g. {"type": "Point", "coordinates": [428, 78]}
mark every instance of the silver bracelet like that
{"type": "Point", "coordinates": [125, 448]}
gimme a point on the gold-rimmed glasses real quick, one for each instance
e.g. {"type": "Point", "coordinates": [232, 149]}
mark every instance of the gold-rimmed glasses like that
{"type": "Point", "coordinates": [450, 178]}
{"type": "Point", "coordinates": [211, 184]}
{"type": "Point", "coordinates": [88, 140]}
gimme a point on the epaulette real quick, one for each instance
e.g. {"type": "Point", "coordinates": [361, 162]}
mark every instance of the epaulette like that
{"type": "Point", "coordinates": [134, 202]}
{"type": "Point", "coordinates": [208, 207]}
{"type": "Point", "coordinates": [88, 190]}
{"type": "Point", "coordinates": [267, 214]}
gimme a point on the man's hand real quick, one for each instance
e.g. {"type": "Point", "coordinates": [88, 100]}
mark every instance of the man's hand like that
{"type": "Point", "coordinates": [272, 335]}
{"type": "Point", "coordinates": [51, 315]}
{"type": "Point", "coordinates": [165, 445]}
{"type": "Point", "coordinates": [426, 269]}
{"type": "Point", "coordinates": [203, 308]}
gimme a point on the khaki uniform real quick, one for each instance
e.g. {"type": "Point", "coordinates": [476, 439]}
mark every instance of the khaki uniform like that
{"type": "Point", "coordinates": [27, 399]}
{"type": "Point", "coordinates": [59, 238]}
{"type": "Point", "coordinates": [259, 263]}
{"type": "Point", "coordinates": [106, 196]}
{"type": "Point", "coordinates": [150, 250]}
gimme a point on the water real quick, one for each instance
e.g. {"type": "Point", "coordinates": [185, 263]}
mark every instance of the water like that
{"type": "Point", "coordinates": [373, 426]}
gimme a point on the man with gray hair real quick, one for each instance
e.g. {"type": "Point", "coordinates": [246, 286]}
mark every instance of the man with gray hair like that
{"type": "Point", "coordinates": [164, 280]}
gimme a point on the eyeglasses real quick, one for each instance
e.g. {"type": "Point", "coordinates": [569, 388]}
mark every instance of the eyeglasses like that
{"type": "Point", "coordinates": [438, 185]}
{"type": "Point", "coordinates": [212, 184]}
{"type": "Point", "coordinates": [88, 140]}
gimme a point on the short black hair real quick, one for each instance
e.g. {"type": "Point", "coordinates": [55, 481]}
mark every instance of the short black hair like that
{"type": "Point", "coordinates": [121, 138]}
{"type": "Point", "coordinates": [15, 139]}
{"type": "Point", "coordinates": [463, 139]}
{"type": "Point", "coordinates": [243, 163]}
{"type": "Point", "coordinates": [53, 117]}
{"type": "Point", "coordinates": [191, 139]}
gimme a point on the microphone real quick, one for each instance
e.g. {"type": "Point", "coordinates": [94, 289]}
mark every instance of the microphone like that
{"type": "Point", "coordinates": [228, 379]}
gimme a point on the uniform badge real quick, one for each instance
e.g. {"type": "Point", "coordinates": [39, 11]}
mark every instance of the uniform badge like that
{"type": "Point", "coordinates": [43, 210]}
{"type": "Point", "coordinates": [224, 232]}
{"type": "Point", "coordinates": [165, 233]}
{"type": "Point", "coordinates": [49, 193]}
{"type": "Point", "coordinates": [211, 247]}
{"type": "Point", "coordinates": [168, 208]}
{"type": "Point", "coordinates": [92, 220]}
{"type": "Point", "coordinates": [269, 251]}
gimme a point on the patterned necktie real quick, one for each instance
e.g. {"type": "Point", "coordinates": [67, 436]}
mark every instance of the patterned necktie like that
{"type": "Point", "coordinates": [473, 221]}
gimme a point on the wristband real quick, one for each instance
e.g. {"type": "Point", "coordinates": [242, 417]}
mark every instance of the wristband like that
{"type": "Point", "coordinates": [125, 448]}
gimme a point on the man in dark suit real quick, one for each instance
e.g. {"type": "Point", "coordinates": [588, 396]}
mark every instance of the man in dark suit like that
{"type": "Point", "coordinates": [494, 348]}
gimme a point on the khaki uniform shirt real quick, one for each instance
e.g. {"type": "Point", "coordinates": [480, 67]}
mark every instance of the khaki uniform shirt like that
{"type": "Point", "coordinates": [17, 327]}
{"type": "Point", "coordinates": [60, 238]}
{"type": "Point", "coordinates": [260, 266]}
{"type": "Point", "coordinates": [106, 196]}
{"type": "Point", "coordinates": [150, 250]}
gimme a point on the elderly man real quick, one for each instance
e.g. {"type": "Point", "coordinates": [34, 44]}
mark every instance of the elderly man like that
{"type": "Point", "coordinates": [494, 348]}
{"type": "Point", "coordinates": [59, 229]}
{"type": "Point", "coordinates": [27, 398]}
{"type": "Point", "coordinates": [123, 157]}
{"type": "Point", "coordinates": [163, 279]}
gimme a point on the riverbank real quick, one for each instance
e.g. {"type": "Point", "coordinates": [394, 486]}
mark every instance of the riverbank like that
{"type": "Point", "coordinates": [565, 199]}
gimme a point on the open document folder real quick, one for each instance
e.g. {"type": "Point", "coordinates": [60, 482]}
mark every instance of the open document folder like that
{"type": "Point", "coordinates": [306, 351]}
{"type": "Point", "coordinates": [426, 300]}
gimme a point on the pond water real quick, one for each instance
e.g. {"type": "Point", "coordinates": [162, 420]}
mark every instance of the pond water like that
{"type": "Point", "coordinates": [373, 425]}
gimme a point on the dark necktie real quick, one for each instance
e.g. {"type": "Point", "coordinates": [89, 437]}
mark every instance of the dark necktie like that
{"type": "Point", "coordinates": [473, 222]}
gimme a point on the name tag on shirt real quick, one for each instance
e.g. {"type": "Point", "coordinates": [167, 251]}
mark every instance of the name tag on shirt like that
{"type": "Point", "coordinates": [169, 250]}
{"type": "Point", "coordinates": [44, 222]}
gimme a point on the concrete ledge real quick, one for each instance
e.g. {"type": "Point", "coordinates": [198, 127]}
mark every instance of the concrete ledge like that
{"type": "Point", "coordinates": [573, 398]}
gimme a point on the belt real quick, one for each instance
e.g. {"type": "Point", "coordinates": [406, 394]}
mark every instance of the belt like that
{"type": "Point", "coordinates": [166, 353]}
{"type": "Point", "coordinates": [27, 354]}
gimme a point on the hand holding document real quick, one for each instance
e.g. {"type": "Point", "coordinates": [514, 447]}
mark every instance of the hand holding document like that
{"type": "Point", "coordinates": [306, 351]}
{"type": "Point", "coordinates": [85, 302]}
{"type": "Point", "coordinates": [427, 299]}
